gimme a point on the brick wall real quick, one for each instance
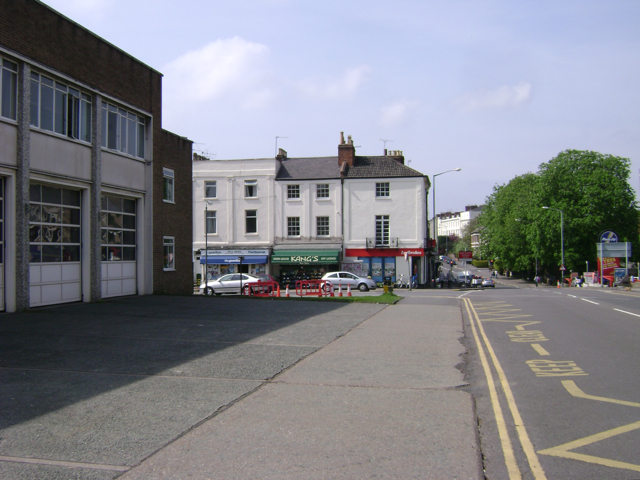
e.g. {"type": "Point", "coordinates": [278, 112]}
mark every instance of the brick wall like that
{"type": "Point", "coordinates": [173, 219]}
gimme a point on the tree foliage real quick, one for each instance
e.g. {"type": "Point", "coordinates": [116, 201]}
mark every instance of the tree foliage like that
{"type": "Point", "coordinates": [590, 188]}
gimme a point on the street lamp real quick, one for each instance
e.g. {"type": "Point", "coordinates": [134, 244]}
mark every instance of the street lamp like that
{"type": "Point", "coordinates": [562, 267]}
{"type": "Point", "coordinates": [240, 260]}
{"type": "Point", "coordinates": [206, 241]}
{"type": "Point", "coordinates": [435, 219]}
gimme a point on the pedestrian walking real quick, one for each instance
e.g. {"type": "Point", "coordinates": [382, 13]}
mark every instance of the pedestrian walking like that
{"type": "Point", "coordinates": [449, 279]}
{"type": "Point", "coordinates": [537, 280]}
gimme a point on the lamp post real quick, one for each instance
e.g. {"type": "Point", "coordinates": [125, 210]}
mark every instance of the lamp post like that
{"type": "Point", "coordinates": [240, 260]}
{"type": "Point", "coordinates": [562, 267]}
{"type": "Point", "coordinates": [206, 245]}
{"type": "Point", "coordinates": [435, 219]}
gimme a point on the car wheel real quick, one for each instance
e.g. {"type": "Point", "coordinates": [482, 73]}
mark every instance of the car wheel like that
{"type": "Point", "coordinates": [209, 291]}
{"type": "Point", "coordinates": [363, 287]}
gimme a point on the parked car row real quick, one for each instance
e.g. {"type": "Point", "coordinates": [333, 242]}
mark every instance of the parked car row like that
{"type": "Point", "coordinates": [467, 280]}
{"type": "Point", "coordinates": [233, 282]}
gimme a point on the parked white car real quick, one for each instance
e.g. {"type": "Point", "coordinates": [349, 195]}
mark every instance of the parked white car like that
{"type": "Point", "coordinates": [347, 278]}
{"type": "Point", "coordinates": [229, 283]}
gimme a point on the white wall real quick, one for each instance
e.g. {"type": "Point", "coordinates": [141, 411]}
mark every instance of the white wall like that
{"type": "Point", "coordinates": [405, 206]}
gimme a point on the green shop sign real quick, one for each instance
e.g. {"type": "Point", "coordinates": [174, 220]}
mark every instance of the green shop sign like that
{"type": "Point", "coordinates": [305, 257]}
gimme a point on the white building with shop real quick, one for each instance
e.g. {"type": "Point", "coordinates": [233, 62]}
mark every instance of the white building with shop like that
{"type": "Point", "coordinates": [233, 204]}
{"type": "Point", "coordinates": [362, 214]}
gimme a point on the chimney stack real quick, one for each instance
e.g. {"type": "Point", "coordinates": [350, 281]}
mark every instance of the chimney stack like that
{"type": "Point", "coordinates": [282, 154]}
{"type": "Point", "coordinates": [346, 151]}
{"type": "Point", "coordinates": [397, 155]}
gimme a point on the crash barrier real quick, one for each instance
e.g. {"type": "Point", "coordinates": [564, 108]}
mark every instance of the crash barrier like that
{"type": "Point", "coordinates": [262, 289]}
{"type": "Point", "coordinates": [314, 288]}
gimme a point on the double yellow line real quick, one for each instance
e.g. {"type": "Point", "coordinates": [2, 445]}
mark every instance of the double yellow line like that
{"type": "Point", "coordinates": [505, 440]}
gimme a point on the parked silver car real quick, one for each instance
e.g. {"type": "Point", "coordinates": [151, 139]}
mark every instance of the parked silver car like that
{"type": "Point", "coordinates": [347, 278]}
{"type": "Point", "coordinates": [229, 283]}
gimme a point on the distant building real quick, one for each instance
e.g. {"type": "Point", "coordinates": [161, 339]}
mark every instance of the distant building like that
{"type": "Point", "coordinates": [454, 223]}
{"type": "Point", "coordinates": [312, 215]}
{"type": "Point", "coordinates": [93, 191]}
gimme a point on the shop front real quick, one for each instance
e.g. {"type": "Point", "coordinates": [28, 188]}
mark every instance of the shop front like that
{"type": "Point", "coordinates": [220, 262]}
{"type": "Point", "coordinates": [294, 265]}
{"type": "Point", "coordinates": [381, 263]}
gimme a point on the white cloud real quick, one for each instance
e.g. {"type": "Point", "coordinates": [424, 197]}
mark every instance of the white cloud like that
{"type": "Point", "coordinates": [502, 97]}
{"type": "Point", "coordinates": [344, 87]}
{"type": "Point", "coordinates": [396, 113]}
{"type": "Point", "coordinates": [230, 68]}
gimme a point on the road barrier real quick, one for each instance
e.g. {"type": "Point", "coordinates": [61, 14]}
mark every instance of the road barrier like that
{"type": "Point", "coordinates": [314, 288]}
{"type": "Point", "coordinates": [262, 289]}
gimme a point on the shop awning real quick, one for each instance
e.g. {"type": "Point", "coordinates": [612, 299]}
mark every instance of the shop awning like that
{"type": "Point", "coordinates": [306, 257]}
{"type": "Point", "coordinates": [233, 259]}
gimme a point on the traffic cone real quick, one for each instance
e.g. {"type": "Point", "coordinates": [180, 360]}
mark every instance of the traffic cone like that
{"type": "Point", "coordinates": [278, 291]}
{"type": "Point", "coordinates": [558, 283]}
{"type": "Point", "coordinates": [286, 294]}
{"type": "Point", "coordinates": [348, 290]}
{"type": "Point", "coordinates": [339, 289]}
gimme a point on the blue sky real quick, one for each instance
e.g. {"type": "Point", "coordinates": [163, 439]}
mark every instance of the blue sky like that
{"type": "Point", "coordinates": [493, 87]}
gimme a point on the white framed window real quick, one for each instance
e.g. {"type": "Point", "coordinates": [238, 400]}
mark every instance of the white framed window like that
{"type": "Point", "coordinates": [60, 108]}
{"type": "Point", "coordinates": [250, 188]}
{"type": "Point", "coordinates": [122, 131]}
{"type": "Point", "coordinates": [293, 226]}
{"type": "Point", "coordinates": [382, 230]}
{"type": "Point", "coordinates": [382, 189]}
{"type": "Point", "coordinates": [9, 89]}
{"type": "Point", "coordinates": [118, 229]}
{"type": "Point", "coordinates": [168, 194]}
{"type": "Point", "coordinates": [322, 190]}
{"type": "Point", "coordinates": [211, 222]}
{"type": "Point", "coordinates": [293, 192]}
{"type": "Point", "coordinates": [169, 261]}
{"type": "Point", "coordinates": [251, 221]}
{"type": "Point", "coordinates": [322, 226]}
{"type": "Point", "coordinates": [210, 189]}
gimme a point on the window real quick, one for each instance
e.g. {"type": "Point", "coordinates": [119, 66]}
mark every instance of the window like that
{"type": "Point", "coordinates": [9, 80]}
{"type": "Point", "coordinates": [118, 229]}
{"type": "Point", "coordinates": [169, 262]}
{"type": "Point", "coordinates": [59, 108]}
{"type": "Point", "coordinates": [251, 221]}
{"type": "Point", "coordinates": [122, 131]}
{"type": "Point", "coordinates": [322, 226]}
{"type": "Point", "coordinates": [211, 221]}
{"type": "Point", "coordinates": [382, 189]}
{"type": "Point", "coordinates": [322, 190]}
{"type": "Point", "coordinates": [293, 191]}
{"type": "Point", "coordinates": [250, 188]}
{"type": "Point", "coordinates": [210, 189]}
{"type": "Point", "coordinates": [382, 230]}
{"type": "Point", "coordinates": [167, 185]}
{"type": "Point", "coordinates": [54, 224]}
{"type": "Point", "coordinates": [293, 226]}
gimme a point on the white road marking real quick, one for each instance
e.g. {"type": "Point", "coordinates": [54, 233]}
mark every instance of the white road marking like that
{"type": "Point", "coordinates": [595, 303]}
{"type": "Point", "coordinates": [634, 314]}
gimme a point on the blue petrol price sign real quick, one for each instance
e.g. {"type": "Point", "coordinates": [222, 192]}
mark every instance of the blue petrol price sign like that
{"type": "Point", "coordinates": [608, 236]}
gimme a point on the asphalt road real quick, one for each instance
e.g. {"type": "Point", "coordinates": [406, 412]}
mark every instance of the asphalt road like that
{"type": "Point", "coordinates": [554, 373]}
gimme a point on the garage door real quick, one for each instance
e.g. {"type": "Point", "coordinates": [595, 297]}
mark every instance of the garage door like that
{"type": "Point", "coordinates": [118, 233]}
{"type": "Point", "coordinates": [54, 244]}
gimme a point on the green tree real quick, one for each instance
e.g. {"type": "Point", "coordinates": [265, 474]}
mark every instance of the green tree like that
{"type": "Point", "coordinates": [591, 189]}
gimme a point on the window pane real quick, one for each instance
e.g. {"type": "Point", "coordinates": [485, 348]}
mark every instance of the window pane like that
{"type": "Point", "coordinates": [71, 197]}
{"type": "Point", "coordinates": [114, 204]}
{"type": "Point", "coordinates": [128, 206]}
{"type": "Point", "coordinates": [85, 120]}
{"type": "Point", "coordinates": [46, 107]}
{"type": "Point", "coordinates": [51, 214]}
{"type": "Point", "coordinates": [112, 130]}
{"type": "Point", "coordinates": [140, 140]}
{"type": "Point", "coordinates": [70, 235]}
{"type": "Point", "coordinates": [115, 220]}
{"type": "Point", "coordinates": [129, 221]}
{"type": "Point", "coordinates": [35, 253]}
{"type": "Point", "coordinates": [71, 216]}
{"type": "Point", "coordinates": [51, 234]}
{"type": "Point", "coordinates": [105, 123]}
{"type": "Point", "coordinates": [131, 136]}
{"type": "Point", "coordinates": [210, 189]}
{"type": "Point", "coordinates": [35, 215]}
{"type": "Point", "coordinates": [34, 193]}
{"type": "Point", "coordinates": [128, 238]}
{"type": "Point", "coordinates": [9, 82]}
{"type": "Point", "coordinates": [129, 253]}
{"type": "Point", "coordinates": [35, 103]}
{"type": "Point", "coordinates": [34, 233]}
{"type": "Point", "coordinates": [123, 133]}
{"type": "Point", "coordinates": [60, 112]}
{"type": "Point", "coordinates": [51, 195]}
{"type": "Point", "coordinates": [51, 253]}
{"type": "Point", "coordinates": [71, 253]}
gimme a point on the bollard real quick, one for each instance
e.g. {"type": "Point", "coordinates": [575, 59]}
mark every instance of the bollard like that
{"type": "Point", "coordinates": [340, 289]}
{"type": "Point", "coordinates": [348, 290]}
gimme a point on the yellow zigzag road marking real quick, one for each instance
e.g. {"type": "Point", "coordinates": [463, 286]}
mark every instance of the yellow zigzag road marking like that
{"type": "Point", "coordinates": [564, 450]}
{"type": "Point", "coordinates": [521, 327]}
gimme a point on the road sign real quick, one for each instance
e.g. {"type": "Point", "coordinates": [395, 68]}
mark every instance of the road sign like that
{"type": "Point", "coordinates": [465, 255]}
{"type": "Point", "coordinates": [562, 268]}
